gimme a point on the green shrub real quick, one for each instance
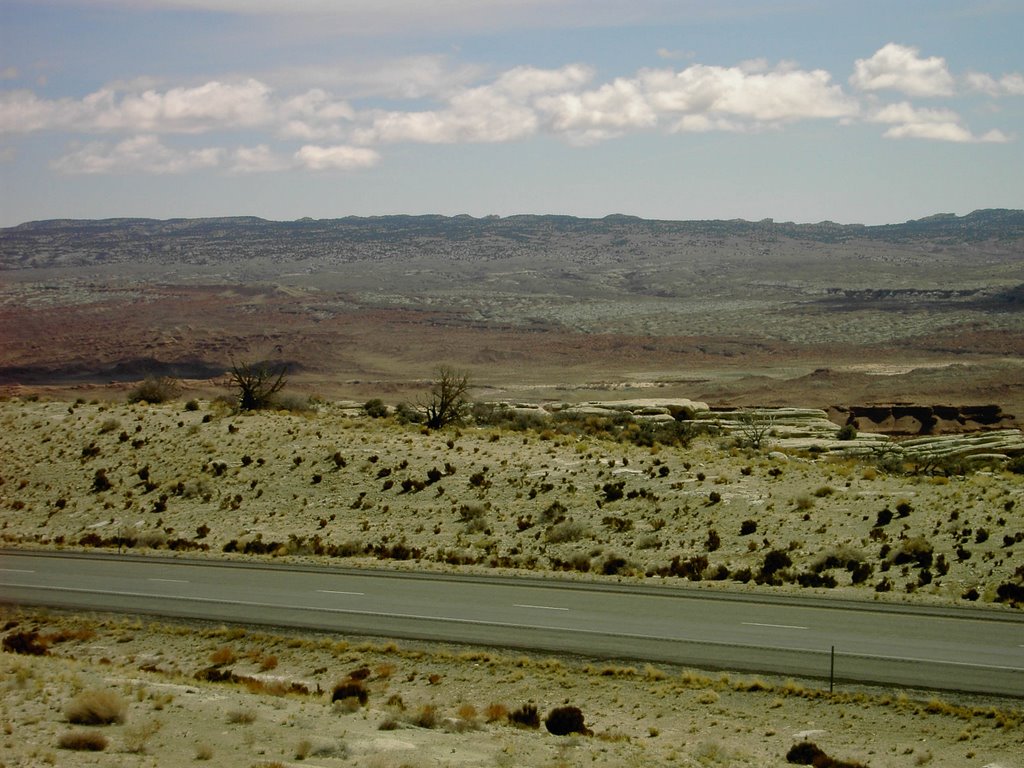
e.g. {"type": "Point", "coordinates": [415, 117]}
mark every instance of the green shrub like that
{"type": "Point", "coordinates": [375, 408]}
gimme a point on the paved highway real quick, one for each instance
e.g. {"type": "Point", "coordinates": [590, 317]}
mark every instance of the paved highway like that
{"type": "Point", "coordinates": [972, 649]}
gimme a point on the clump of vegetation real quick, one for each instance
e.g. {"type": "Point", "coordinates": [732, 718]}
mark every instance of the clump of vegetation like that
{"type": "Point", "coordinates": [375, 408]}
{"type": "Point", "coordinates": [155, 390]}
{"type": "Point", "coordinates": [561, 721]}
{"type": "Point", "coordinates": [448, 400]}
{"type": "Point", "coordinates": [525, 717]}
{"type": "Point", "coordinates": [83, 741]}
{"type": "Point", "coordinates": [809, 753]}
{"type": "Point", "coordinates": [350, 690]}
{"type": "Point", "coordinates": [25, 643]}
{"type": "Point", "coordinates": [257, 384]}
{"type": "Point", "coordinates": [96, 707]}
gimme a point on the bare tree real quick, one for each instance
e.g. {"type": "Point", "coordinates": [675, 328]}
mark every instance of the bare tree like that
{"type": "Point", "coordinates": [448, 398]}
{"type": "Point", "coordinates": [257, 383]}
{"type": "Point", "coordinates": [755, 426]}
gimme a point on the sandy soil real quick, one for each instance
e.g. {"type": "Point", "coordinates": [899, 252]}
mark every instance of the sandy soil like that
{"type": "Point", "coordinates": [431, 705]}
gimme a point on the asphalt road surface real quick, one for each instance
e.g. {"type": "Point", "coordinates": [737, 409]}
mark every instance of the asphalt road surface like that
{"type": "Point", "coordinates": [970, 649]}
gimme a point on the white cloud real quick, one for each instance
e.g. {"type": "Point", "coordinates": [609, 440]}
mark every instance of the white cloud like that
{"type": "Point", "coordinates": [910, 122]}
{"type": "Point", "coordinates": [900, 68]}
{"type": "Point", "coordinates": [605, 112]}
{"type": "Point", "coordinates": [336, 158]}
{"type": "Point", "coordinates": [176, 110]}
{"type": "Point", "coordinates": [762, 97]}
{"type": "Point", "coordinates": [258, 159]}
{"type": "Point", "coordinates": [700, 98]}
{"type": "Point", "coordinates": [186, 110]}
{"type": "Point", "coordinates": [498, 112]}
{"type": "Point", "coordinates": [139, 154]}
{"type": "Point", "coordinates": [406, 77]}
{"type": "Point", "coordinates": [1011, 84]}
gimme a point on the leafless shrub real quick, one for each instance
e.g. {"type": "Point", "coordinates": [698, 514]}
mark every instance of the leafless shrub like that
{"type": "Point", "coordinates": [449, 398]}
{"type": "Point", "coordinates": [155, 389]}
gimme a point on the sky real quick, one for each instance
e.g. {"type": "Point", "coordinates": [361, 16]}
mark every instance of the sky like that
{"type": "Point", "coordinates": [799, 110]}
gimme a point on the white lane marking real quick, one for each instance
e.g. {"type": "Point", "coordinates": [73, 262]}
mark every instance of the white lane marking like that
{"type": "Point", "coordinates": [338, 592]}
{"type": "Point", "coordinates": [539, 607]}
{"type": "Point", "coordinates": [15, 570]}
{"type": "Point", "coordinates": [483, 622]}
{"type": "Point", "coordinates": [170, 581]}
{"type": "Point", "coordinates": [774, 626]}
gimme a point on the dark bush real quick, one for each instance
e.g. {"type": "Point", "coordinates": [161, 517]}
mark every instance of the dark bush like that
{"type": "Point", "coordinates": [775, 561]}
{"type": "Point", "coordinates": [714, 541]}
{"type": "Point", "coordinates": [860, 572]}
{"type": "Point", "coordinates": [748, 527]}
{"type": "Point", "coordinates": [817, 580]}
{"type": "Point", "coordinates": [917, 550]}
{"type": "Point", "coordinates": [100, 481]}
{"type": "Point", "coordinates": [613, 565]}
{"type": "Point", "coordinates": [562, 721]}
{"type": "Point", "coordinates": [847, 432]}
{"type": "Point", "coordinates": [351, 689]}
{"type": "Point", "coordinates": [526, 716]}
{"type": "Point", "coordinates": [1009, 592]}
{"type": "Point", "coordinates": [25, 643]}
{"type": "Point", "coordinates": [804, 753]}
{"type": "Point", "coordinates": [884, 518]}
{"type": "Point", "coordinates": [613, 491]}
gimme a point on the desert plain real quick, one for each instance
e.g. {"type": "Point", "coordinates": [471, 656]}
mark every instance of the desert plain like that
{"type": "Point", "coordinates": [565, 316]}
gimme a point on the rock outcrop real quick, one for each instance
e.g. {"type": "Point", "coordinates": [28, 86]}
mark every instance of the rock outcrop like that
{"type": "Point", "coordinates": [911, 419]}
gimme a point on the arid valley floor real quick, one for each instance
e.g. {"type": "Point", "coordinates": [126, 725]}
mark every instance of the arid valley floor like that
{"type": "Point", "coordinates": [545, 311]}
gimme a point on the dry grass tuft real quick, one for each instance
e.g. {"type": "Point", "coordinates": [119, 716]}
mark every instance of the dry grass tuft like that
{"type": "Point", "coordinates": [241, 716]}
{"type": "Point", "coordinates": [495, 712]}
{"type": "Point", "coordinates": [83, 741]}
{"type": "Point", "coordinates": [136, 737]}
{"type": "Point", "coordinates": [96, 707]}
{"type": "Point", "coordinates": [223, 655]}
